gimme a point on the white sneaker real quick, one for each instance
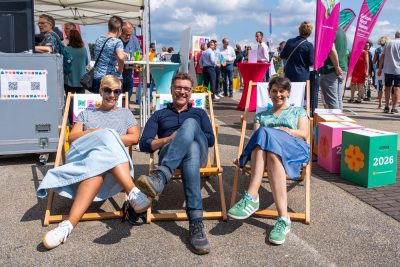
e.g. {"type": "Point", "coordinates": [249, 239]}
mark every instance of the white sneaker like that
{"type": "Point", "coordinates": [57, 236]}
{"type": "Point", "coordinates": [221, 95]}
{"type": "Point", "coordinates": [139, 201]}
{"type": "Point", "coordinates": [216, 97]}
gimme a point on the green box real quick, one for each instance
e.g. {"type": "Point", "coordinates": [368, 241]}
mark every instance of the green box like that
{"type": "Point", "coordinates": [369, 157]}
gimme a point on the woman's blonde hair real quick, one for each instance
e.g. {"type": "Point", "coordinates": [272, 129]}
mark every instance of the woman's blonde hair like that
{"type": "Point", "coordinates": [383, 40]}
{"type": "Point", "coordinates": [305, 29]}
{"type": "Point", "coordinates": [109, 81]}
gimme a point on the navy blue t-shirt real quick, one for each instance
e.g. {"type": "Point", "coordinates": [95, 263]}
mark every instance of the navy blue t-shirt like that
{"type": "Point", "coordinates": [297, 67]}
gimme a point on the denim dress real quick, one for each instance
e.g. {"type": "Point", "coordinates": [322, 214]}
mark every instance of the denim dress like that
{"type": "Point", "coordinates": [89, 156]}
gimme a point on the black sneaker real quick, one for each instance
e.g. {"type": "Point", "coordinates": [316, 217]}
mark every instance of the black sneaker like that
{"type": "Point", "coordinates": [386, 109]}
{"type": "Point", "coordinates": [367, 99]}
{"type": "Point", "coordinates": [394, 110]}
{"type": "Point", "coordinates": [198, 240]}
{"type": "Point", "coordinates": [151, 185]}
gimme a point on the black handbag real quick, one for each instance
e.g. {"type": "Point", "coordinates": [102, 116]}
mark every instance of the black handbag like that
{"type": "Point", "coordinates": [87, 79]}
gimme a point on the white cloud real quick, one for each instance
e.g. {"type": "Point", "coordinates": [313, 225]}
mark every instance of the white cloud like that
{"type": "Point", "coordinates": [204, 22]}
{"type": "Point", "coordinates": [182, 13]}
{"type": "Point", "coordinates": [160, 4]}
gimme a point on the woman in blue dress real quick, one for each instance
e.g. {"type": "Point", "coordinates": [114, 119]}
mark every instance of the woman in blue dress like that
{"type": "Point", "coordinates": [277, 145]}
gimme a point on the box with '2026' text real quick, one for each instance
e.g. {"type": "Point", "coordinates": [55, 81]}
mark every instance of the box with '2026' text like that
{"type": "Point", "coordinates": [369, 157]}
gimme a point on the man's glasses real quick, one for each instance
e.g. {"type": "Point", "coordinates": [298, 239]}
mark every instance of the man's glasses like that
{"type": "Point", "coordinates": [184, 88]}
{"type": "Point", "coordinates": [107, 91]}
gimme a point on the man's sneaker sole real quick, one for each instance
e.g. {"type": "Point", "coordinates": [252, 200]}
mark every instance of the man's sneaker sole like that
{"type": "Point", "coordinates": [277, 242]}
{"type": "Point", "coordinates": [143, 184]}
{"type": "Point", "coordinates": [142, 209]}
{"type": "Point", "coordinates": [199, 251]}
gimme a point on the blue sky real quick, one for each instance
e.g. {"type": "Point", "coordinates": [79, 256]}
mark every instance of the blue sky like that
{"type": "Point", "coordinates": [240, 19]}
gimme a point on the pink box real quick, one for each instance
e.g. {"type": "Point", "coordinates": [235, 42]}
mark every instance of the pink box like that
{"type": "Point", "coordinates": [330, 144]}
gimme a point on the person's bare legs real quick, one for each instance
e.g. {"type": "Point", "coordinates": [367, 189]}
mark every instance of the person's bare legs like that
{"type": "Point", "coordinates": [380, 93]}
{"type": "Point", "coordinates": [123, 176]}
{"type": "Point", "coordinates": [87, 190]}
{"type": "Point", "coordinates": [388, 92]}
{"type": "Point", "coordinates": [258, 162]}
{"type": "Point", "coordinates": [277, 180]}
{"type": "Point", "coordinates": [395, 97]}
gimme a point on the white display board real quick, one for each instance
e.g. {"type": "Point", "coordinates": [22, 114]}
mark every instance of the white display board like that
{"type": "Point", "coordinates": [185, 48]}
{"type": "Point", "coordinates": [88, 101]}
{"type": "Point", "coordinates": [198, 100]}
{"type": "Point", "coordinates": [296, 98]}
{"type": "Point", "coordinates": [23, 84]}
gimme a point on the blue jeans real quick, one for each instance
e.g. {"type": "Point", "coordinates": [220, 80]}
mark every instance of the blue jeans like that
{"type": "Point", "coordinates": [188, 151]}
{"type": "Point", "coordinates": [209, 78]}
{"type": "Point", "coordinates": [227, 76]}
{"type": "Point", "coordinates": [217, 76]}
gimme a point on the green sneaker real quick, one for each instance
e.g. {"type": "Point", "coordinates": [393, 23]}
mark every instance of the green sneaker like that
{"type": "Point", "coordinates": [277, 235]}
{"type": "Point", "coordinates": [244, 208]}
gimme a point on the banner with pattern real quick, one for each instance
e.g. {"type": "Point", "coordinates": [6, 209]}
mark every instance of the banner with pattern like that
{"type": "Point", "coordinates": [23, 84]}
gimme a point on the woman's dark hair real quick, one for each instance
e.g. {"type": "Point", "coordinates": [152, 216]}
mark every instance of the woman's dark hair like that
{"type": "Point", "coordinates": [283, 83]}
{"type": "Point", "coordinates": [75, 39]}
{"type": "Point", "coordinates": [115, 24]}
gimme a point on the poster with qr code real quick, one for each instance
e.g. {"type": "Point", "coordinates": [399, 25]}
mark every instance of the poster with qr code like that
{"type": "Point", "coordinates": [23, 84]}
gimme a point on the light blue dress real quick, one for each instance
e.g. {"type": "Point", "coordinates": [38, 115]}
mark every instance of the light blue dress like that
{"type": "Point", "coordinates": [93, 154]}
{"type": "Point", "coordinates": [90, 155]}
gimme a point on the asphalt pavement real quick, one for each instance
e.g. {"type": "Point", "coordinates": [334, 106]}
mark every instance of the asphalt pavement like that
{"type": "Point", "coordinates": [344, 229]}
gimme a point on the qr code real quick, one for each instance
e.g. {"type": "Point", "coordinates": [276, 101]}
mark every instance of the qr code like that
{"type": "Point", "coordinates": [12, 86]}
{"type": "Point", "coordinates": [35, 86]}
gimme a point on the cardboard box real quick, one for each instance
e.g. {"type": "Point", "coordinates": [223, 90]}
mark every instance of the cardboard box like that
{"type": "Point", "coordinates": [327, 118]}
{"type": "Point", "coordinates": [369, 157]}
{"type": "Point", "coordinates": [330, 144]}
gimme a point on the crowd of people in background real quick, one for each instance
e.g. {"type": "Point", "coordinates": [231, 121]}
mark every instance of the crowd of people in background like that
{"type": "Point", "coordinates": [216, 66]}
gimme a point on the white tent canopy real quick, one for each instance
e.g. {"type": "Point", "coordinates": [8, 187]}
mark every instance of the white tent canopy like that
{"type": "Point", "coordinates": [89, 12]}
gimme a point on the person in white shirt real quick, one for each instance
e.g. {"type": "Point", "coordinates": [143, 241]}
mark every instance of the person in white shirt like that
{"type": "Point", "coordinates": [227, 58]}
{"type": "Point", "coordinates": [262, 48]}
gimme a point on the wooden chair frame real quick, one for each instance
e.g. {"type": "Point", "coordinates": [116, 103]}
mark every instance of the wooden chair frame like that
{"type": "Point", "coordinates": [213, 168]}
{"type": "Point", "coordinates": [305, 172]}
{"type": "Point", "coordinates": [60, 159]}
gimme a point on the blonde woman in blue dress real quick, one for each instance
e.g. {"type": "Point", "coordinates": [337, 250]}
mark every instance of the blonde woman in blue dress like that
{"type": "Point", "coordinates": [277, 145]}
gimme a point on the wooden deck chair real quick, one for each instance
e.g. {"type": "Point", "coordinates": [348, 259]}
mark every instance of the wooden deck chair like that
{"type": "Point", "coordinates": [212, 168]}
{"type": "Point", "coordinates": [62, 149]}
{"type": "Point", "coordinates": [262, 93]}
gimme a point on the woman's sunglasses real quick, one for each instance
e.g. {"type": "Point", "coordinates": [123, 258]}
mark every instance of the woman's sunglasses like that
{"type": "Point", "coordinates": [107, 91]}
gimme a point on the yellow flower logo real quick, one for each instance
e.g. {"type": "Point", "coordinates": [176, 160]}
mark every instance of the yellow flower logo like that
{"type": "Point", "coordinates": [354, 158]}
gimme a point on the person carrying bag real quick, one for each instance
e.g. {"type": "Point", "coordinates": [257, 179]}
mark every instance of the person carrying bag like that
{"type": "Point", "coordinates": [87, 79]}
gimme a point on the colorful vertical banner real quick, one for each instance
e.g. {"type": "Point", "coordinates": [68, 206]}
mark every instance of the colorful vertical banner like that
{"type": "Point", "coordinates": [369, 13]}
{"type": "Point", "coordinates": [347, 17]}
{"type": "Point", "coordinates": [197, 41]}
{"type": "Point", "coordinates": [270, 24]}
{"type": "Point", "coordinates": [327, 22]}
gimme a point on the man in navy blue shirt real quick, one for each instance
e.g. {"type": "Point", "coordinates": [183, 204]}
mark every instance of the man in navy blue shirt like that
{"type": "Point", "coordinates": [184, 135]}
{"type": "Point", "coordinates": [131, 44]}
